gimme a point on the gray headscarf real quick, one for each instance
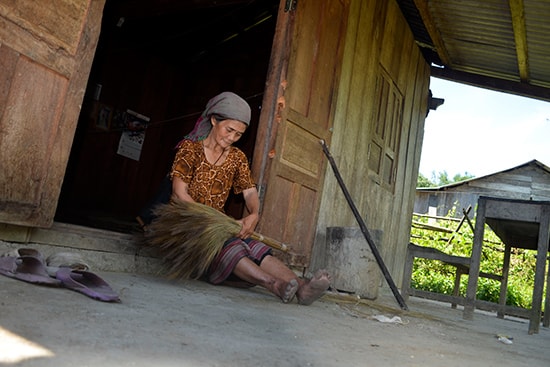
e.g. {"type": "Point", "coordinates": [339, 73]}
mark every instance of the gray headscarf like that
{"type": "Point", "coordinates": [227, 105]}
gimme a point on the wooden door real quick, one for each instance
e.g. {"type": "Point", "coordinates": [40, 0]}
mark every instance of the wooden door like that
{"type": "Point", "coordinates": [297, 112]}
{"type": "Point", "coordinates": [46, 51]}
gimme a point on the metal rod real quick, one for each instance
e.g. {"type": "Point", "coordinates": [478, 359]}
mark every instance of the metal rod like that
{"type": "Point", "coordinates": [364, 229]}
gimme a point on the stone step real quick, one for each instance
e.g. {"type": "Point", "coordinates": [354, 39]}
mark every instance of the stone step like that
{"type": "Point", "coordinates": [103, 250]}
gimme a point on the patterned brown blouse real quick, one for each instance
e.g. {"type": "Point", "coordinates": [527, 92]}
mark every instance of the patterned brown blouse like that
{"type": "Point", "coordinates": [210, 184]}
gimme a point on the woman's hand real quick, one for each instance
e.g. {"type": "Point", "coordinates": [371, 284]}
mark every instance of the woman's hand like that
{"type": "Point", "coordinates": [248, 224]}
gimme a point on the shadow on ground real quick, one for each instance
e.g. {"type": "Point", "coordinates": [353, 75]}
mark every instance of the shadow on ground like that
{"type": "Point", "coordinates": [168, 323]}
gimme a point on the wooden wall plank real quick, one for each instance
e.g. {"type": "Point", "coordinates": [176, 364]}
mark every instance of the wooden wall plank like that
{"type": "Point", "coordinates": [36, 95]}
{"type": "Point", "coordinates": [378, 38]}
{"type": "Point", "coordinates": [59, 22]}
{"type": "Point", "coordinates": [46, 88]}
{"type": "Point", "coordinates": [25, 42]}
{"type": "Point", "coordinates": [8, 63]}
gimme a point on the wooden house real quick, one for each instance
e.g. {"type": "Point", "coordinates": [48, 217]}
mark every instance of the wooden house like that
{"type": "Point", "coordinates": [528, 181]}
{"type": "Point", "coordinates": [354, 73]}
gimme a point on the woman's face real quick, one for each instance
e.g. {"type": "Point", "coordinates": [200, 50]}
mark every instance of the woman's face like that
{"type": "Point", "coordinates": [227, 132]}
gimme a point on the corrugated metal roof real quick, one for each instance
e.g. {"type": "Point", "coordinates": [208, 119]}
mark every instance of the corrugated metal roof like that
{"type": "Point", "coordinates": [537, 24]}
{"type": "Point", "coordinates": [499, 44]}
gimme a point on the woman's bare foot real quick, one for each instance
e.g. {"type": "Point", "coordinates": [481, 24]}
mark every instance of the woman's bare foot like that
{"type": "Point", "coordinates": [286, 291]}
{"type": "Point", "coordinates": [313, 289]}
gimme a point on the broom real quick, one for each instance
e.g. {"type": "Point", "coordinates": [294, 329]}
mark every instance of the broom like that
{"type": "Point", "coordinates": [189, 236]}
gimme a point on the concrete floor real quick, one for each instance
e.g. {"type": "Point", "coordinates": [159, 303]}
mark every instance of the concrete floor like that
{"type": "Point", "coordinates": [167, 323]}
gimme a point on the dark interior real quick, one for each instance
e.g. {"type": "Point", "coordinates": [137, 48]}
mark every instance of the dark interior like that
{"type": "Point", "coordinates": [164, 60]}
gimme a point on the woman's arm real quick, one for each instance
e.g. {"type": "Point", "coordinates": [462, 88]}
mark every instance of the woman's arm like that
{"type": "Point", "coordinates": [180, 190]}
{"type": "Point", "coordinates": [249, 222]}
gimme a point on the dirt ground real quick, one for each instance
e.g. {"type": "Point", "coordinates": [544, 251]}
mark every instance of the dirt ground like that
{"type": "Point", "coordinates": [166, 323]}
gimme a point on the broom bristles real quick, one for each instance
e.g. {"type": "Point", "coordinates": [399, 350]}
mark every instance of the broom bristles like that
{"type": "Point", "coordinates": [189, 236]}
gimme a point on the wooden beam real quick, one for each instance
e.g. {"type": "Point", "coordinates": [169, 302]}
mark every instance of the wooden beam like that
{"type": "Point", "coordinates": [500, 85]}
{"type": "Point", "coordinates": [520, 37]}
{"type": "Point", "coordinates": [421, 225]}
{"type": "Point", "coordinates": [148, 8]}
{"type": "Point", "coordinates": [452, 219]}
{"type": "Point", "coordinates": [422, 6]}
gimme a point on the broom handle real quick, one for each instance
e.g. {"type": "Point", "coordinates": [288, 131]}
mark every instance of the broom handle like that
{"type": "Point", "coordinates": [270, 242]}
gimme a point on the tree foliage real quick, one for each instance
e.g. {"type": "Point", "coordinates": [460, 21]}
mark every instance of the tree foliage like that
{"type": "Point", "coordinates": [423, 181]}
{"type": "Point", "coordinates": [441, 179]}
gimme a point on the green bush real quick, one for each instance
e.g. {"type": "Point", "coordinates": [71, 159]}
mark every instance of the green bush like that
{"type": "Point", "coordinates": [434, 276]}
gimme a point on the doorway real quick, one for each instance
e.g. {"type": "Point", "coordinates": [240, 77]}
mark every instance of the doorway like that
{"type": "Point", "coordinates": [163, 61]}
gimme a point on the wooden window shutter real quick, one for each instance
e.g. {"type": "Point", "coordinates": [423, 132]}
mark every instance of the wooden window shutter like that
{"type": "Point", "coordinates": [386, 132]}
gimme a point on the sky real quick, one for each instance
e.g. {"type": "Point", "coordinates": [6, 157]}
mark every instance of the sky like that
{"type": "Point", "coordinates": [480, 132]}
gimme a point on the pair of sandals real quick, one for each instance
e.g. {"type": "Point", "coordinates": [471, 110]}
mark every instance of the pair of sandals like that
{"type": "Point", "coordinates": [63, 269]}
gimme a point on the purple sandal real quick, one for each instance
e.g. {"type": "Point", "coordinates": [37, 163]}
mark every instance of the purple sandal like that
{"type": "Point", "coordinates": [87, 283]}
{"type": "Point", "coordinates": [29, 269]}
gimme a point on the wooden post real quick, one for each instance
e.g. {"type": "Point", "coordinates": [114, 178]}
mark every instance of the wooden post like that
{"type": "Point", "coordinates": [456, 289]}
{"type": "Point", "coordinates": [473, 274]}
{"type": "Point", "coordinates": [407, 274]}
{"type": "Point", "coordinates": [504, 281]}
{"type": "Point", "coordinates": [546, 318]}
{"type": "Point", "coordinates": [542, 252]}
